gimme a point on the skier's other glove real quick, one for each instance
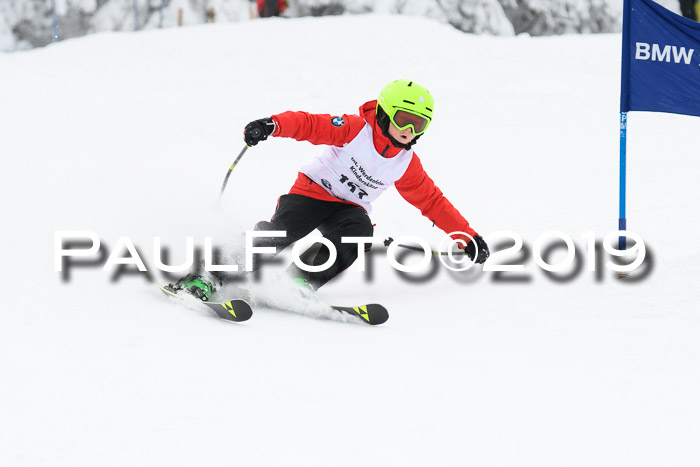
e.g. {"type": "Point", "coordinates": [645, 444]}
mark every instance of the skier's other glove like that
{"type": "Point", "coordinates": [484, 253]}
{"type": "Point", "coordinates": [258, 130]}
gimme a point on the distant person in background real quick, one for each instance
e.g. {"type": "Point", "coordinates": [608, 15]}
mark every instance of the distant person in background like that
{"type": "Point", "coordinates": [269, 8]}
{"type": "Point", "coordinates": [687, 9]}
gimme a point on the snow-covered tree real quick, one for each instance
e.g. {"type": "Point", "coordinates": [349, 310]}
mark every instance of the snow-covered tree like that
{"type": "Point", "coordinates": [28, 23]}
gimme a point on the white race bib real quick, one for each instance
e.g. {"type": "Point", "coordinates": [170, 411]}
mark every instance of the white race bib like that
{"type": "Point", "coordinates": [356, 172]}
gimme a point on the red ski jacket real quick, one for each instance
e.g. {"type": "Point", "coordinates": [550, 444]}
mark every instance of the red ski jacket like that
{"type": "Point", "coordinates": [415, 186]}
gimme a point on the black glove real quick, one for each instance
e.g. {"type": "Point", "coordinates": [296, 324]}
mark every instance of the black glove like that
{"type": "Point", "coordinates": [258, 130]}
{"type": "Point", "coordinates": [484, 253]}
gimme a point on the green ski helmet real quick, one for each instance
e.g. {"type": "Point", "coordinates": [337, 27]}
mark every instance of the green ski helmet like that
{"type": "Point", "coordinates": [407, 104]}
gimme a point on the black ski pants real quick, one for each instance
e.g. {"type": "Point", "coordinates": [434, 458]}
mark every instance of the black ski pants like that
{"type": "Point", "coordinates": [299, 215]}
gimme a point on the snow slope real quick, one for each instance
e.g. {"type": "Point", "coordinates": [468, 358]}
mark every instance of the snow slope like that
{"type": "Point", "coordinates": [131, 135]}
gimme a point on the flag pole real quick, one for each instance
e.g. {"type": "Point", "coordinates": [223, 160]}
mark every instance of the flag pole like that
{"type": "Point", "coordinates": [624, 107]}
{"type": "Point", "coordinates": [622, 221]}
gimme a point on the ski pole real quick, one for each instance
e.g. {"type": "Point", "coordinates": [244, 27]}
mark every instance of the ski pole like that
{"type": "Point", "coordinates": [223, 187]}
{"type": "Point", "coordinates": [388, 241]}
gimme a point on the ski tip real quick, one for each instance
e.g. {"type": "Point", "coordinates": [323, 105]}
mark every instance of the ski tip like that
{"type": "Point", "coordinates": [233, 310]}
{"type": "Point", "coordinates": [377, 314]}
{"type": "Point", "coordinates": [370, 314]}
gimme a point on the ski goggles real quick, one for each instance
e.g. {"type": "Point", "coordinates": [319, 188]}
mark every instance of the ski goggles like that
{"type": "Point", "coordinates": [403, 119]}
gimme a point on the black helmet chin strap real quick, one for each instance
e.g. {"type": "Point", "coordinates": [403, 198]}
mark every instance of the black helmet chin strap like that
{"type": "Point", "coordinates": [383, 121]}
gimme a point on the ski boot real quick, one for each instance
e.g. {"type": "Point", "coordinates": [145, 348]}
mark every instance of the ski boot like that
{"type": "Point", "coordinates": [305, 289]}
{"type": "Point", "coordinates": [303, 283]}
{"type": "Point", "coordinates": [197, 285]}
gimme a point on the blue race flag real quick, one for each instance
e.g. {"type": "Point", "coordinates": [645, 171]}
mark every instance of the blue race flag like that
{"type": "Point", "coordinates": [660, 60]}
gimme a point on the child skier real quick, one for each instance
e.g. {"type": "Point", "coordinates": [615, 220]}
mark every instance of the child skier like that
{"type": "Point", "coordinates": [365, 155]}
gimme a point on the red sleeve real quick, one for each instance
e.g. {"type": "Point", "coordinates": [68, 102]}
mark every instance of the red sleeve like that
{"type": "Point", "coordinates": [318, 128]}
{"type": "Point", "coordinates": [418, 189]}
